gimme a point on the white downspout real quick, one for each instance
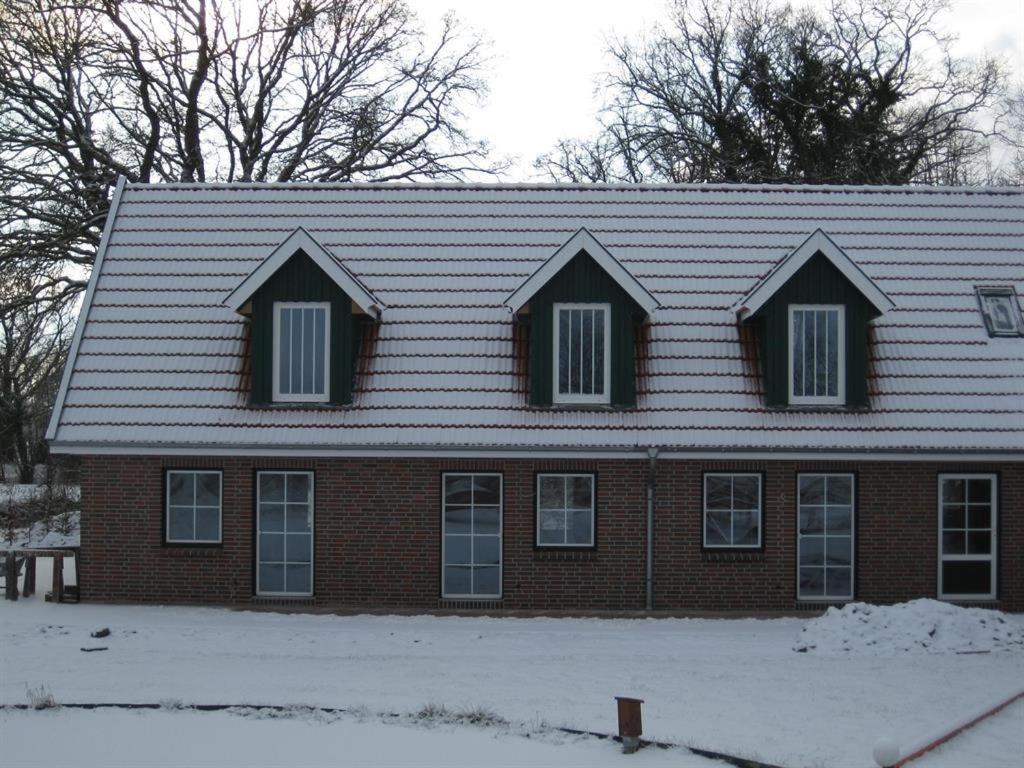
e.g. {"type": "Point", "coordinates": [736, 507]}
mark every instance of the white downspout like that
{"type": "Point", "coordinates": [652, 456]}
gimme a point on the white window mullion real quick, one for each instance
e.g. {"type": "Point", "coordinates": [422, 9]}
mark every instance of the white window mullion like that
{"type": "Point", "coordinates": [302, 351]}
{"type": "Point", "coordinates": [579, 328]}
{"type": "Point", "coordinates": [593, 350]}
{"type": "Point", "coordinates": [803, 355]}
{"type": "Point", "coordinates": [814, 360]}
{"type": "Point", "coordinates": [826, 316]}
{"type": "Point", "coordinates": [286, 348]}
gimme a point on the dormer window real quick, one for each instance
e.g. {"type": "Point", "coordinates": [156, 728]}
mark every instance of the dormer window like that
{"type": "Point", "coordinates": [306, 315]}
{"type": "Point", "coordinates": [582, 361]}
{"type": "Point", "coordinates": [302, 367]}
{"type": "Point", "coordinates": [810, 316]}
{"type": "Point", "coordinates": [817, 362]}
{"type": "Point", "coordinates": [581, 311]}
{"type": "Point", "coordinates": [1001, 311]}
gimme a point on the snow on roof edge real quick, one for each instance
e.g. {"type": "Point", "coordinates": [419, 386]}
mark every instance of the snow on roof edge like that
{"type": "Point", "coordinates": [83, 313]}
{"type": "Point", "coordinates": [562, 187]}
{"type": "Point", "coordinates": [298, 240]}
{"type": "Point", "coordinates": [818, 242]}
{"type": "Point", "coordinates": [582, 240]}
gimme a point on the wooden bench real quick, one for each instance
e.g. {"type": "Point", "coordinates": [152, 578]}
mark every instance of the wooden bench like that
{"type": "Point", "coordinates": [14, 560]}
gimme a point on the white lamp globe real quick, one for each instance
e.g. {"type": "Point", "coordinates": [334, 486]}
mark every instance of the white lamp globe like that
{"type": "Point", "coordinates": [886, 752]}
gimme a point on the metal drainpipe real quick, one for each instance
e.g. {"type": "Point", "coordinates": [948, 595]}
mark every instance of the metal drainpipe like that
{"type": "Point", "coordinates": [652, 456]}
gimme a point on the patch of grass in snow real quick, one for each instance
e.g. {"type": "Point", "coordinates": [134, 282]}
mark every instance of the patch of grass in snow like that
{"type": "Point", "coordinates": [432, 711]}
{"type": "Point", "coordinates": [40, 698]}
{"type": "Point", "coordinates": [481, 716]}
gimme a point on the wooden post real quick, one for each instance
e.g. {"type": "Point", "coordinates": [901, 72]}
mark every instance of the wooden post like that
{"type": "Point", "coordinates": [58, 577]}
{"type": "Point", "coordinates": [11, 577]}
{"type": "Point", "coordinates": [30, 576]}
{"type": "Point", "coordinates": [630, 723]}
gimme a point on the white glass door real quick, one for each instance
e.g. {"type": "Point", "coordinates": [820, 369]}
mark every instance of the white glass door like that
{"type": "Point", "coordinates": [284, 533]}
{"type": "Point", "coordinates": [471, 535]}
{"type": "Point", "coordinates": [967, 537]}
{"type": "Point", "coordinates": [825, 533]}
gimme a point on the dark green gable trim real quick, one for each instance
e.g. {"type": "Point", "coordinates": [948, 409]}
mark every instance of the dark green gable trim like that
{"type": "Point", "coordinates": [582, 280]}
{"type": "Point", "coordinates": [300, 279]}
{"type": "Point", "coordinates": [817, 282]}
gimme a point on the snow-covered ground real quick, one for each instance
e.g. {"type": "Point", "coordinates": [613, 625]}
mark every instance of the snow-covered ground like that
{"type": "Point", "coordinates": [997, 741]}
{"type": "Point", "coordinates": [174, 739]}
{"type": "Point", "coordinates": [735, 686]}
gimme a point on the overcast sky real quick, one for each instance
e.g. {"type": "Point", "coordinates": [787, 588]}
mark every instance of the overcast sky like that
{"type": "Point", "coordinates": [547, 55]}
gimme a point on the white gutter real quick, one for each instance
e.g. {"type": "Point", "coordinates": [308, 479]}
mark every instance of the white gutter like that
{"type": "Point", "coordinates": [498, 452]}
{"type": "Point", "coordinates": [83, 313]}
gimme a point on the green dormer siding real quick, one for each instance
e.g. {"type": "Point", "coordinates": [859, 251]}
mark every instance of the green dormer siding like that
{"type": "Point", "coordinates": [300, 279]}
{"type": "Point", "coordinates": [817, 282]}
{"type": "Point", "coordinates": [582, 280]}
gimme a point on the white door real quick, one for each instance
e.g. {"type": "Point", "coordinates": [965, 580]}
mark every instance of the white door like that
{"type": "Point", "coordinates": [825, 536]}
{"type": "Point", "coordinates": [284, 533]}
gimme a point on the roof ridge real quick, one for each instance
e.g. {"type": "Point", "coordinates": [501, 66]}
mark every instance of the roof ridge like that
{"type": "Point", "coordinates": [499, 186]}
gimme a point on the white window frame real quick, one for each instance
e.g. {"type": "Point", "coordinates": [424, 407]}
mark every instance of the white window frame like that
{"type": "Point", "coordinates": [991, 557]}
{"type": "Point", "coordinates": [1010, 293]}
{"type": "Point", "coordinates": [565, 510]}
{"type": "Point", "coordinates": [826, 598]}
{"type": "Point", "coordinates": [582, 399]}
{"type": "Point", "coordinates": [501, 536]}
{"type": "Point", "coordinates": [280, 397]}
{"type": "Point", "coordinates": [312, 531]}
{"type": "Point", "coordinates": [704, 512]}
{"type": "Point", "coordinates": [167, 506]}
{"type": "Point", "coordinates": [840, 397]}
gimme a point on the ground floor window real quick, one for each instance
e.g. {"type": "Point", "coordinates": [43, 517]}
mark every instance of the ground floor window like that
{"type": "Point", "coordinates": [471, 535]}
{"type": "Point", "coordinates": [284, 533]}
{"type": "Point", "coordinates": [193, 506]}
{"type": "Point", "coordinates": [565, 510]}
{"type": "Point", "coordinates": [967, 537]}
{"type": "Point", "coordinates": [825, 534]}
{"type": "Point", "coordinates": [732, 510]}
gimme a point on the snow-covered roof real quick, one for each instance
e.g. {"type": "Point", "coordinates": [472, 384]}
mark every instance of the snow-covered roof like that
{"type": "Point", "coordinates": [582, 241]}
{"type": "Point", "coordinates": [158, 362]}
{"type": "Point", "coordinates": [817, 243]}
{"type": "Point", "coordinates": [301, 240]}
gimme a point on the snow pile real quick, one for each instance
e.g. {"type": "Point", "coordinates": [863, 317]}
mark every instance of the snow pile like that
{"type": "Point", "coordinates": [920, 626]}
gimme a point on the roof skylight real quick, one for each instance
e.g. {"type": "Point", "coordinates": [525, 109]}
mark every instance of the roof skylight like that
{"type": "Point", "coordinates": [1001, 311]}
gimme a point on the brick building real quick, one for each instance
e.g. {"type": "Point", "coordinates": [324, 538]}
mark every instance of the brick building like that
{"type": "Point", "coordinates": [551, 397]}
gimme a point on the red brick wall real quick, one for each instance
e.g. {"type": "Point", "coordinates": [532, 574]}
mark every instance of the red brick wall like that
{"type": "Point", "coordinates": [377, 543]}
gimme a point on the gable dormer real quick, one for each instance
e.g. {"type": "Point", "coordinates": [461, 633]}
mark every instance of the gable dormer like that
{"type": "Point", "coordinates": [582, 307]}
{"type": "Point", "coordinates": [811, 315]}
{"type": "Point", "coordinates": [306, 313]}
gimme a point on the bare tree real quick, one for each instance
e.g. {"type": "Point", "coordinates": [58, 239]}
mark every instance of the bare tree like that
{"type": "Point", "coordinates": [195, 90]}
{"type": "Point", "coordinates": [745, 91]}
{"type": "Point", "coordinates": [33, 344]}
